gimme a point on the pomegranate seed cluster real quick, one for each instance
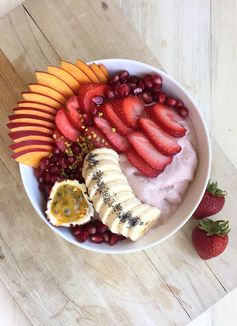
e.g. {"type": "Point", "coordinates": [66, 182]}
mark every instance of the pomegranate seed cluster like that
{"type": "Point", "coordinates": [96, 232]}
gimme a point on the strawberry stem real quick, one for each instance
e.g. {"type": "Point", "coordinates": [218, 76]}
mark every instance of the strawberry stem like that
{"type": "Point", "coordinates": [212, 187]}
{"type": "Point", "coordinates": [219, 227]}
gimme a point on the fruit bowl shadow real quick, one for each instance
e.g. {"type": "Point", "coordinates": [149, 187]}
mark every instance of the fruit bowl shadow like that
{"type": "Point", "coordinates": [193, 194]}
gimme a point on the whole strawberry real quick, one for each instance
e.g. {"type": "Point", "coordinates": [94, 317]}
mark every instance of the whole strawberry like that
{"type": "Point", "coordinates": [212, 201]}
{"type": "Point", "coordinates": [210, 238]}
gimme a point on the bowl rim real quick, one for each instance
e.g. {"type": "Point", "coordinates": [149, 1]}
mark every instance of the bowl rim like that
{"type": "Point", "coordinates": [97, 249]}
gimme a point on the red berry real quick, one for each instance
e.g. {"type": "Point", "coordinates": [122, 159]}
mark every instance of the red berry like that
{"type": "Point", "coordinates": [82, 236]}
{"type": "Point", "coordinates": [97, 238]}
{"type": "Point", "coordinates": [113, 239]}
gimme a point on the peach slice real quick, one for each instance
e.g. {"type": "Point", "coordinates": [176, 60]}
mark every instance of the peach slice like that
{"type": "Point", "coordinates": [31, 118]}
{"type": "Point", "coordinates": [75, 72]}
{"type": "Point", "coordinates": [66, 77]}
{"type": "Point", "coordinates": [54, 82]}
{"type": "Point", "coordinates": [37, 97]}
{"type": "Point", "coordinates": [32, 128]}
{"type": "Point", "coordinates": [16, 125]}
{"type": "Point", "coordinates": [37, 105]}
{"type": "Point", "coordinates": [104, 70]}
{"type": "Point", "coordinates": [98, 73]}
{"type": "Point", "coordinates": [18, 136]}
{"type": "Point", "coordinates": [28, 144]}
{"type": "Point", "coordinates": [87, 70]}
{"type": "Point", "coordinates": [39, 112]}
{"type": "Point", "coordinates": [48, 91]}
{"type": "Point", "coordinates": [31, 156]}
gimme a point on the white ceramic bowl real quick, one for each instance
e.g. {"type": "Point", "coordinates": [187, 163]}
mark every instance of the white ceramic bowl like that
{"type": "Point", "coordinates": [192, 196]}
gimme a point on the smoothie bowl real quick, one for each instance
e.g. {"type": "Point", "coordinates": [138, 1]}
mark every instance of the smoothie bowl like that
{"type": "Point", "coordinates": [114, 154]}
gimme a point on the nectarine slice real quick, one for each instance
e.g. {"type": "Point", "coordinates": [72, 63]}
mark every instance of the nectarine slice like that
{"type": "Point", "coordinates": [31, 118]}
{"type": "Point", "coordinates": [56, 83]}
{"type": "Point", "coordinates": [48, 91]}
{"type": "Point", "coordinates": [37, 105]}
{"type": "Point", "coordinates": [34, 137]}
{"type": "Point", "coordinates": [98, 73]}
{"type": "Point", "coordinates": [33, 128]}
{"type": "Point", "coordinates": [75, 72]}
{"type": "Point", "coordinates": [14, 125]}
{"type": "Point", "coordinates": [88, 71]}
{"type": "Point", "coordinates": [37, 97]}
{"type": "Point", "coordinates": [104, 69]}
{"type": "Point", "coordinates": [28, 144]}
{"type": "Point", "coordinates": [66, 77]}
{"type": "Point", "coordinates": [16, 135]}
{"type": "Point", "coordinates": [38, 112]}
{"type": "Point", "coordinates": [31, 156]}
{"type": "Point", "coordinates": [65, 127]}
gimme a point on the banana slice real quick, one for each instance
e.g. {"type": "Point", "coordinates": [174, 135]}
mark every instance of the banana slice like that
{"type": "Point", "coordinates": [118, 199]}
{"type": "Point", "coordinates": [113, 198]}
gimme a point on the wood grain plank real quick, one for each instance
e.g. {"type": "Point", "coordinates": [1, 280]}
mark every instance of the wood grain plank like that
{"type": "Point", "coordinates": [224, 75]}
{"type": "Point", "coordinates": [178, 33]}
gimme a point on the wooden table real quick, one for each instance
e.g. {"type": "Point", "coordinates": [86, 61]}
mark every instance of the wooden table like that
{"type": "Point", "coordinates": [53, 282]}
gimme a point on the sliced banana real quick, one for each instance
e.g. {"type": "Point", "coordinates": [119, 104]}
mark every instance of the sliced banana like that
{"type": "Point", "coordinates": [113, 198]}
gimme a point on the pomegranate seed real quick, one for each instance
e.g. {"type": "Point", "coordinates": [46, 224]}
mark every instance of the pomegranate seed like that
{"type": "Point", "coordinates": [42, 186]}
{"type": "Point", "coordinates": [170, 101]}
{"type": "Point", "coordinates": [82, 236]}
{"type": "Point", "coordinates": [41, 178]}
{"type": "Point", "coordinates": [98, 100]}
{"type": "Point", "coordinates": [39, 172]}
{"type": "Point", "coordinates": [47, 177]}
{"type": "Point", "coordinates": [132, 85]}
{"type": "Point", "coordinates": [133, 79]}
{"type": "Point", "coordinates": [97, 238]}
{"type": "Point", "coordinates": [137, 91]}
{"type": "Point", "coordinates": [89, 227]}
{"type": "Point", "coordinates": [114, 79]}
{"type": "Point", "coordinates": [141, 84]}
{"type": "Point", "coordinates": [121, 237]}
{"type": "Point", "coordinates": [156, 97]}
{"type": "Point", "coordinates": [63, 162]}
{"type": "Point", "coordinates": [110, 94]}
{"type": "Point", "coordinates": [162, 97]}
{"type": "Point", "coordinates": [71, 160]}
{"type": "Point", "coordinates": [183, 112]}
{"type": "Point", "coordinates": [123, 76]}
{"type": "Point", "coordinates": [53, 159]}
{"type": "Point", "coordinates": [113, 239]}
{"type": "Point", "coordinates": [147, 98]}
{"type": "Point", "coordinates": [148, 82]}
{"type": "Point", "coordinates": [76, 149]}
{"type": "Point", "coordinates": [87, 119]}
{"type": "Point", "coordinates": [76, 230]}
{"type": "Point", "coordinates": [123, 90]}
{"type": "Point", "coordinates": [44, 163]}
{"type": "Point", "coordinates": [56, 150]}
{"type": "Point", "coordinates": [100, 227]}
{"type": "Point", "coordinates": [55, 169]}
{"type": "Point", "coordinates": [156, 79]}
{"type": "Point", "coordinates": [179, 104]}
{"type": "Point", "coordinates": [54, 178]}
{"type": "Point", "coordinates": [156, 89]}
{"type": "Point", "coordinates": [107, 236]}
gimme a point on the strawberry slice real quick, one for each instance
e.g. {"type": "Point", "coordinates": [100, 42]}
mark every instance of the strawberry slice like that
{"type": "Point", "coordinates": [73, 112]}
{"type": "Point", "coordinates": [65, 127]}
{"type": "Point", "coordinates": [132, 108]}
{"type": "Point", "coordinates": [119, 142]}
{"type": "Point", "coordinates": [60, 140]}
{"type": "Point", "coordinates": [168, 120]}
{"type": "Point", "coordinates": [86, 94]}
{"type": "Point", "coordinates": [148, 152]}
{"type": "Point", "coordinates": [110, 114]}
{"type": "Point", "coordinates": [140, 164]}
{"type": "Point", "coordinates": [97, 138]}
{"type": "Point", "coordinates": [163, 142]}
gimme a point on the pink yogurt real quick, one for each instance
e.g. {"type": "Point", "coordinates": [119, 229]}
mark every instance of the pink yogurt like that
{"type": "Point", "coordinates": [166, 191]}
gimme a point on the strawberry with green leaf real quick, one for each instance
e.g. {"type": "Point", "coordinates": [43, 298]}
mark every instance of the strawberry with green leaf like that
{"type": "Point", "coordinates": [210, 238]}
{"type": "Point", "coordinates": [212, 201]}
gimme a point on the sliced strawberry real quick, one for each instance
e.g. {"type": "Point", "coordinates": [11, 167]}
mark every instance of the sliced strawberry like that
{"type": "Point", "coordinates": [73, 112]}
{"type": "Point", "coordinates": [119, 142]}
{"type": "Point", "coordinates": [165, 144]}
{"type": "Point", "coordinates": [60, 140]}
{"type": "Point", "coordinates": [110, 114]}
{"type": "Point", "coordinates": [97, 138]}
{"type": "Point", "coordinates": [141, 165]}
{"type": "Point", "coordinates": [86, 94]}
{"type": "Point", "coordinates": [132, 108]}
{"type": "Point", "coordinates": [65, 127]}
{"type": "Point", "coordinates": [147, 151]}
{"type": "Point", "coordinates": [168, 120]}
